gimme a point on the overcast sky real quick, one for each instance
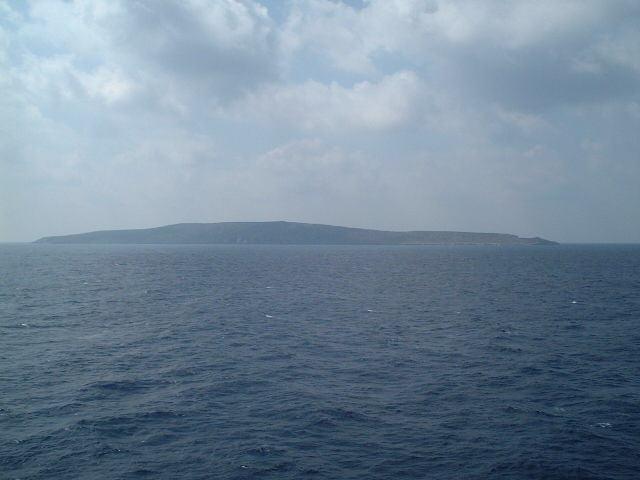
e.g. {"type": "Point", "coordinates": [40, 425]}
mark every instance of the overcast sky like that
{"type": "Point", "coordinates": [504, 116]}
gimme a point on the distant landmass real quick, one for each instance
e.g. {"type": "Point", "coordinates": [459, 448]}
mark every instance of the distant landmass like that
{"type": "Point", "coordinates": [287, 233]}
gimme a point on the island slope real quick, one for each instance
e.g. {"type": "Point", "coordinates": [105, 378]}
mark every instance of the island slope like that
{"type": "Point", "coordinates": [287, 233]}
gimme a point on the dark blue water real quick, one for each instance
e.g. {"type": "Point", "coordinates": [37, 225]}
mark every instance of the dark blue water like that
{"type": "Point", "coordinates": [194, 362]}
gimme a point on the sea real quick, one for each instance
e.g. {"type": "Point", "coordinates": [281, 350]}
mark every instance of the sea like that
{"type": "Point", "coordinates": [319, 362]}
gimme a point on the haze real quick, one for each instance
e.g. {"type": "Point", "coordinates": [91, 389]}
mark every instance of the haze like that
{"type": "Point", "coordinates": [493, 116]}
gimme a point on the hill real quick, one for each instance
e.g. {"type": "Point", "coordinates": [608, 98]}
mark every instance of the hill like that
{"type": "Point", "coordinates": [287, 233]}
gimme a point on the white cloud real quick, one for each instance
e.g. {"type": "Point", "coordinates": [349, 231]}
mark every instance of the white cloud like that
{"type": "Point", "coordinates": [392, 102]}
{"type": "Point", "coordinates": [175, 55]}
{"type": "Point", "coordinates": [107, 84]}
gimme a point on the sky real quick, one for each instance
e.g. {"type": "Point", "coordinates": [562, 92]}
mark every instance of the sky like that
{"type": "Point", "coordinates": [497, 116]}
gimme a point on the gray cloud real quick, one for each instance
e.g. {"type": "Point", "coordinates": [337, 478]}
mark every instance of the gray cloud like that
{"type": "Point", "coordinates": [218, 49]}
{"type": "Point", "coordinates": [519, 117]}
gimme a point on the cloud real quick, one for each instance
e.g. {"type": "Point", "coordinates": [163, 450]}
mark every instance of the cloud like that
{"type": "Point", "coordinates": [394, 101]}
{"type": "Point", "coordinates": [218, 49]}
{"type": "Point", "coordinates": [522, 55]}
{"type": "Point", "coordinates": [508, 116]}
{"type": "Point", "coordinates": [174, 55]}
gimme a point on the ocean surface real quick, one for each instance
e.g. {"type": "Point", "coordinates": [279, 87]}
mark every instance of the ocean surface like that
{"type": "Point", "coordinates": [319, 362]}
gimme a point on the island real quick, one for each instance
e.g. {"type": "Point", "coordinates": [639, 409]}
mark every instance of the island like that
{"type": "Point", "coordinates": [286, 233]}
